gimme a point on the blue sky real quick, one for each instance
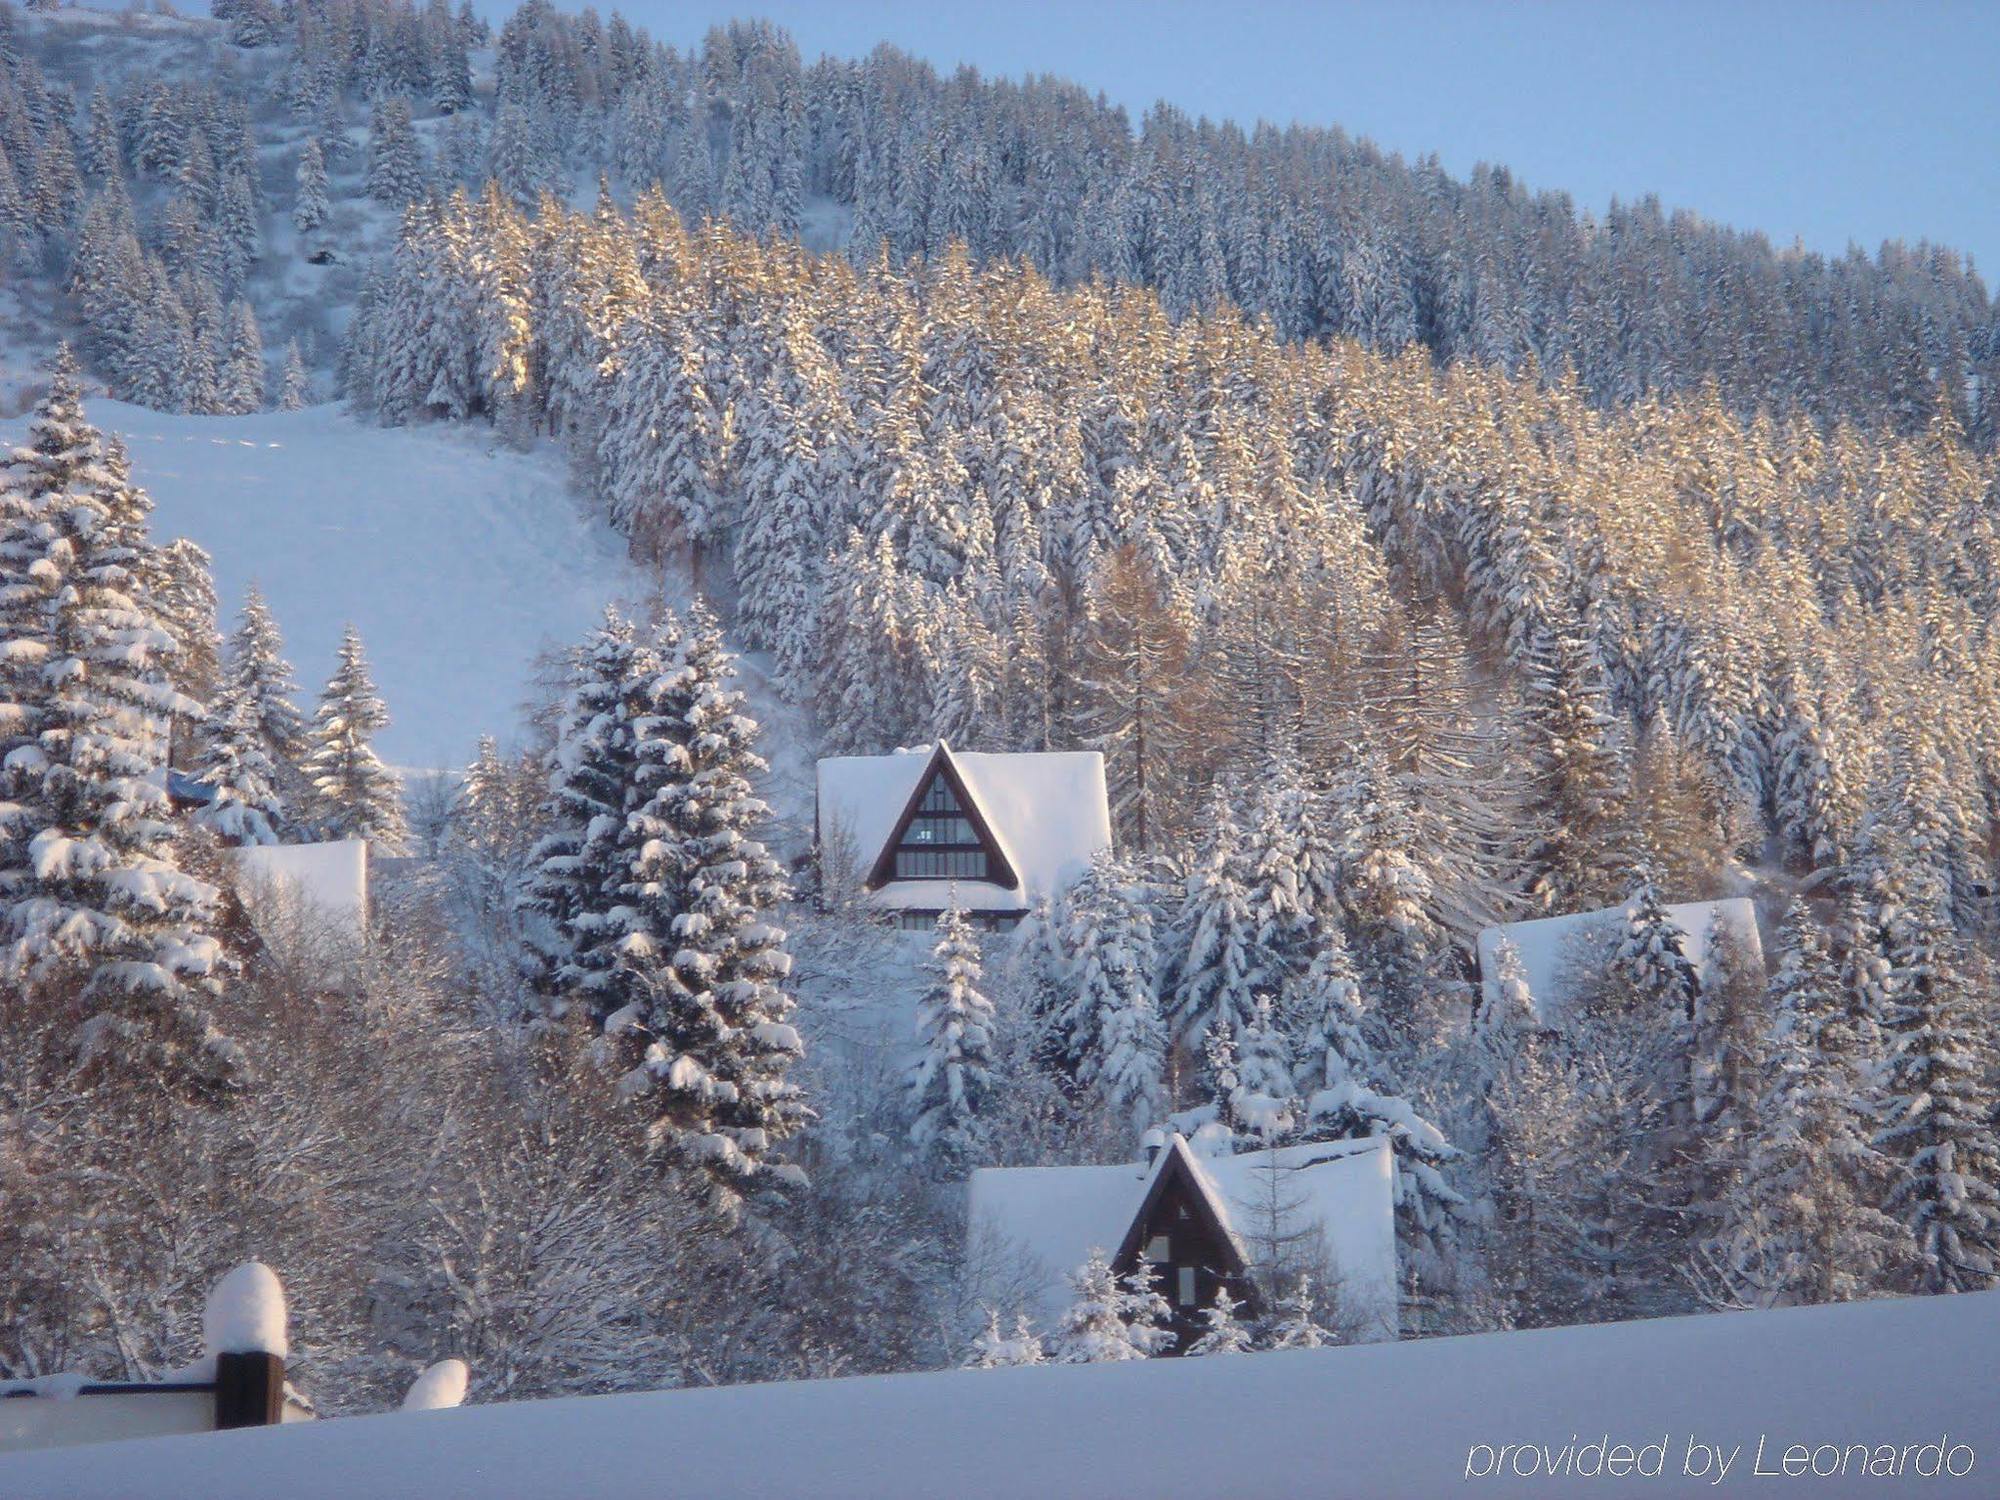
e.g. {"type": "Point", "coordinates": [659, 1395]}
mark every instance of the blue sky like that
{"type": "Point", "coordinates": [1821, 119]}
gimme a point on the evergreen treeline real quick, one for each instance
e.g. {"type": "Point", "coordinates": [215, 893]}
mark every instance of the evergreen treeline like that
{"type": "Point", "coordinates": [1319, 234]}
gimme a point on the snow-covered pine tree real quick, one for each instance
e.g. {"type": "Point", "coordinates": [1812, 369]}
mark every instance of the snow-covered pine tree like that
{"type": "Point", "coordinates": [310, 208]}
{"type": "Point", "coordinates": [1112, 1319]}
{"type": "Point", "coordinates": [180, 583]}
{"type": "Point", "coordinates": [1582, 778]}
{"type": "Point", "coordinates": [239, 238]}
{"type": "Point", "coordinates": [1220, 964]}
{"type": "Point", "coordinates": [248, 807]}
{"type": "Point", "coordinates": [1222, 1332]}
{"type": "Point", "coordinates": [951, 1079]}
{"type": "Point", "coordinates": [1728, 1065]}
{"type": "Point", "coordinates": [353, 795]}
{"type": "Point", "coordinates": [1541, 1261]}
{"type": "Point", "coordinates": [994, 1350]}
{"type": "Point", "coordinates": [1346, 1099]}
{"type": "Point", "coordinates": [1262, 1105]}
{"type": "Point", "coordinates": [1506, 1010]}
{"type": "Point", "coordinates": [1800, 1225]}
{"type": "Point", "coordinates": [256, 675]}
{"type": "Point", "coordinates": [396, 173]}
{"type": "Point", "coordinates": [717, 1023]}
{"type": "Point", "coordinates": [1115, 1042]}
{"type": "Point", "coordinates": [1647, 1026]}
{"type": "Point", "coordinates": [1937, 1116]}
{"type": "Point", "coordinates": [1296, 1323]}
{"type": "Point", "coordinates": [294, 383]}
{"type": "Point", "coordinates": [1650, 953]}
{"type": "Point", "coordinates": [240, 382]}
{"type": "Point", "coordinates": [1218, 1072]}
{"type": "Point", "coordinates": [88, 878]}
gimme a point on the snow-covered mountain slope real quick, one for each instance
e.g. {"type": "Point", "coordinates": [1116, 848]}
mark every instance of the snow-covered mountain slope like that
{"type": "Point", "coordinates": [1385, 1421]}
{"type": "Point", "coordinates": [458, 558]}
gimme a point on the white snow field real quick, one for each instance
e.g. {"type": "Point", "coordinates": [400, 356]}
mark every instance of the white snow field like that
{"type": "Point", "coordinates": [1380, 1422]}
{"type": "Point", "coordinates": [459, 559]}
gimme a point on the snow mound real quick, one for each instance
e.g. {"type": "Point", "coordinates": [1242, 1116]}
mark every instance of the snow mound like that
{"type": "Point", "coordinates": [440, 1387]}
{"type": "Point", "coordinates": [1386, 1421]}
{"type": "Point", "coordinates": [458, 559]}
{"type": "Point", "coordinates": [245, 1313]}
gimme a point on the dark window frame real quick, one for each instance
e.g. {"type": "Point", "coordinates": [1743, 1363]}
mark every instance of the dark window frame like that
{"type": "Point", "coordinates": [940, 800]}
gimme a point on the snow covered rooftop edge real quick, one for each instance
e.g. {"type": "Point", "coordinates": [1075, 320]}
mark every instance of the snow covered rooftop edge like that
{"type": "Point", "coordinates": [1387, 1421]}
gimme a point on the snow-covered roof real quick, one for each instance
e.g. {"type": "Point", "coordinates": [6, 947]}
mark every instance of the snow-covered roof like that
{"type": "Point", "coordinates": [327, 883]}
{"type": "Point", "coordinates": [1033, 1226]}
{"type": "Point", "coordinates": [1047, 812]}
{"type": "Point", "coordinates": [1402, 1421]}
{"type": "Point", "coordinates": [1555, 950]}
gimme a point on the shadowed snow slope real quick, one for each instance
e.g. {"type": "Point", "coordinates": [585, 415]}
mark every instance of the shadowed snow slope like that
{"type": "Point", "coordinates": [458, 558]}
{"type": "Point", "coordinates": [1383, 1422]}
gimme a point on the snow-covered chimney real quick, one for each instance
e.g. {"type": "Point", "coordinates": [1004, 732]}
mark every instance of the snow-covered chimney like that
{"type": "Point", "coordinates": [1154, 1141]}
{"type": "Point", "coordinates": [243, 1329]}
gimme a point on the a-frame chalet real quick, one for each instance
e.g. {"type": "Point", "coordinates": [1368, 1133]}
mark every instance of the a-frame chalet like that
{"type": "Point", "coordinates": [997, 832]}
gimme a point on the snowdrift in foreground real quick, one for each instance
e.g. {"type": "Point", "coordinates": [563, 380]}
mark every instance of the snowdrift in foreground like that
{"type": "Point", "coordinates": [457, 558]}
{"type": "Point", "coordinates": [1386, 1422]}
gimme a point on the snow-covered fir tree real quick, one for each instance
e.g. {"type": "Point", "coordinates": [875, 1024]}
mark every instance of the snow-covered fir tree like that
{"type": "Point", "coordinates": [294, 381]}
{"type": "Point", "coordinates": [1114, 1040]}
{"type": "Point", "coordinates": [712, 1019]}
{"type": "Point", "coordinates": [92, 892]}
{"type": "Point", "coordinates": [1295, 1324]}
{"type": "Point", "coordinates": [395, 155]}
{"type": "Point", "coordinates": [240, 382]}
{"type": "Point", "coordinates": [995, 1350]}
{"type": "Point", "coordinates": [1220, 960]}
{"type": "Point", "coordinates": [310, 208]}
{"type": "Point", "coordinates": [1937, 1116]}
{"type": "Point", "coordinates": [256, 677]}
{"type": "Point", "coordinates": [1112, 1318]}
{"type": "Point", "coordinates": [1800, 1224]}
{"type": "Point", "coordinates": [1222, 1331]}
{"type": "Point", "coordinates": [951, 1079]}
{"type": "Point", "coordinates": [353, 795]}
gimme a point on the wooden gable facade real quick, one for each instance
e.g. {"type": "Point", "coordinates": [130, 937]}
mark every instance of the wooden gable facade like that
{"type": "Point", "coordinates": [1180, 1233]}
{"type": "Point", "coordinates": [942, 834]}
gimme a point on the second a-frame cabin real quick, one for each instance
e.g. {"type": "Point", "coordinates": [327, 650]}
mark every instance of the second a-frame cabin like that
{"type": "Point", "coordinates": [996, 832]}
{"type": "Point", "coordinates": [1198, 1224]}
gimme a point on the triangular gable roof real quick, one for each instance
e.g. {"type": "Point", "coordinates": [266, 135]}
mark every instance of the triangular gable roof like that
{"type": "Point", "coordinates": [1176, 1164]}
{"type": "Point", "coordinates": [1046, 811]}
{"type": "Point", "coordinates": [1000, 863]}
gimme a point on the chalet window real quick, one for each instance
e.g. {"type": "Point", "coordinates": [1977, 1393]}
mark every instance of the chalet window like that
{"type": "Point", "coordinates": [1156, 1249]}
{"type": "Point", "coordinates": [983, 921]}
{"type": "Point", "coordinates": [1186, 1287]}
{"type": "Point", "coordinates": [940, 843]}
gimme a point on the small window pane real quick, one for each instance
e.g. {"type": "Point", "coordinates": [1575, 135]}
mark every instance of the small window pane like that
{"type": "Point", "coordinates": [1156, 1248]}
{"type": "Point", "coordinates": [1186, 1286]}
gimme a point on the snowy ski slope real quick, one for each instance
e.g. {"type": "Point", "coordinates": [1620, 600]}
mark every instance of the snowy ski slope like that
{"type": "Point", "coordinates": [459, 559]}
